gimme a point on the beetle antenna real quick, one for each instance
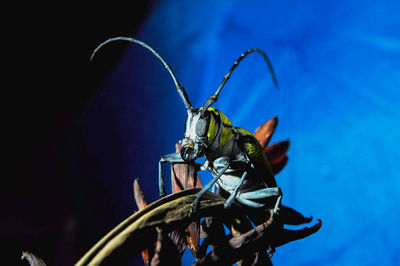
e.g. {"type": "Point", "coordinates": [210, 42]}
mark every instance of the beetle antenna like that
{"type": "Point", "coordinates": [179, 88]}
{"type": "Point", "coordinates": [213, 98]}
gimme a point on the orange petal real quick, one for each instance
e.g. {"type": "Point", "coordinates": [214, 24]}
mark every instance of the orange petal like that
{"type": "Point", "coordinates": [264, 132]}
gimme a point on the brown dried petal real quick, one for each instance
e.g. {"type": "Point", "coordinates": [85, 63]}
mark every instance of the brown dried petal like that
{"type": "Point", "coordinates": [276, 168]}
{"type": "Point", "coordinates": [277, 151]}
{"type": "Point", "coordinates": [138, 194]}
{"type": "Point", "coordinates": [264, 132]}
{"type": "Point", "coordinates": [141, 204]}
{"type": "Point", "coordinates": [178, 238]}
{"type": "Point", "coordinates": [166, 251]}
{"type": "Point", "coordinates": [193, 238]}
{"type": "Point", "coordinates": [184, 176]}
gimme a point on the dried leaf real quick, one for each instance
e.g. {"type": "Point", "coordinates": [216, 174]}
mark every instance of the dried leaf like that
{"type": "Point", "coordinates": [292, 235]}
{"type": "Point", "coordinates": [240, 246]}
{"type": "Point", "coordinates": [293, 217]}
{"type": "Point", "coordinates": [138, 231]}
{"type": "Point", "coordinates": [264, 236]}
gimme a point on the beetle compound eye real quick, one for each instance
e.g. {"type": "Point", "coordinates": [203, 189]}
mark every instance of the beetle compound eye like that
{"type": "Point", "coordinates": [202, 127]}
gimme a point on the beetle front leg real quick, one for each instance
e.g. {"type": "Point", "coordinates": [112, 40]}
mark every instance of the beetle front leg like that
{"type": "Point", "coordinates": [207, 187]}
{"type": "Point", "coordinates": [228, 202]}
{"type": "Point", "coordinates": [233, 195]}
{"type": "Point", "coordinates": [169, 158]}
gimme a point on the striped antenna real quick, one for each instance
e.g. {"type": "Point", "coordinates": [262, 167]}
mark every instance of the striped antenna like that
{"type": "Point", "coordinates": [181, 91]}
{"type": "Point", "coordinates": [213, 98]}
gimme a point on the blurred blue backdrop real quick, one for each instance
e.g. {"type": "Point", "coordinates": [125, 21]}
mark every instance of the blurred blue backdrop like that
{"type": "Point", "coordinates": [338, 66]}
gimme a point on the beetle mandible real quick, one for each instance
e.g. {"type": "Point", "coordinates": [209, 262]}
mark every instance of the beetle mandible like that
{"type": "Point", "coordinates": [232, 154]}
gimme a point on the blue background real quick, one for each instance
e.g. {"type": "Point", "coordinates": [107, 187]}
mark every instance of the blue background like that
{"type": "Point", "coordinates": [338, 67]}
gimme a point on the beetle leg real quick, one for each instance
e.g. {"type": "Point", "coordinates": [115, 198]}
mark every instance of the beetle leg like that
{"type": "Point", "coordinates": [207, 187]}
{"type": "Point", "coordinates": [277, 204]}
{"type": "Point", "coordinates": [249, 203]}
{"type": "Point", "coordinates": [169, 158]}
{"type": "Point", "coordinates": [235, 192]}
{"type": "Point", "coordinates": [240, 183]}
{"type": "Point", "coordinates": [205, 165]}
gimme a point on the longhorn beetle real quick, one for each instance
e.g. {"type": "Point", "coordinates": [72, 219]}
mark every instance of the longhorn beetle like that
{"type": "Point", "coordinates": [233, 155]}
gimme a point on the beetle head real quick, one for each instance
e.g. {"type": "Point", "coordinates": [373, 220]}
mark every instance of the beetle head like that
{"type": "Point", "coordinates": [195, 140]}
